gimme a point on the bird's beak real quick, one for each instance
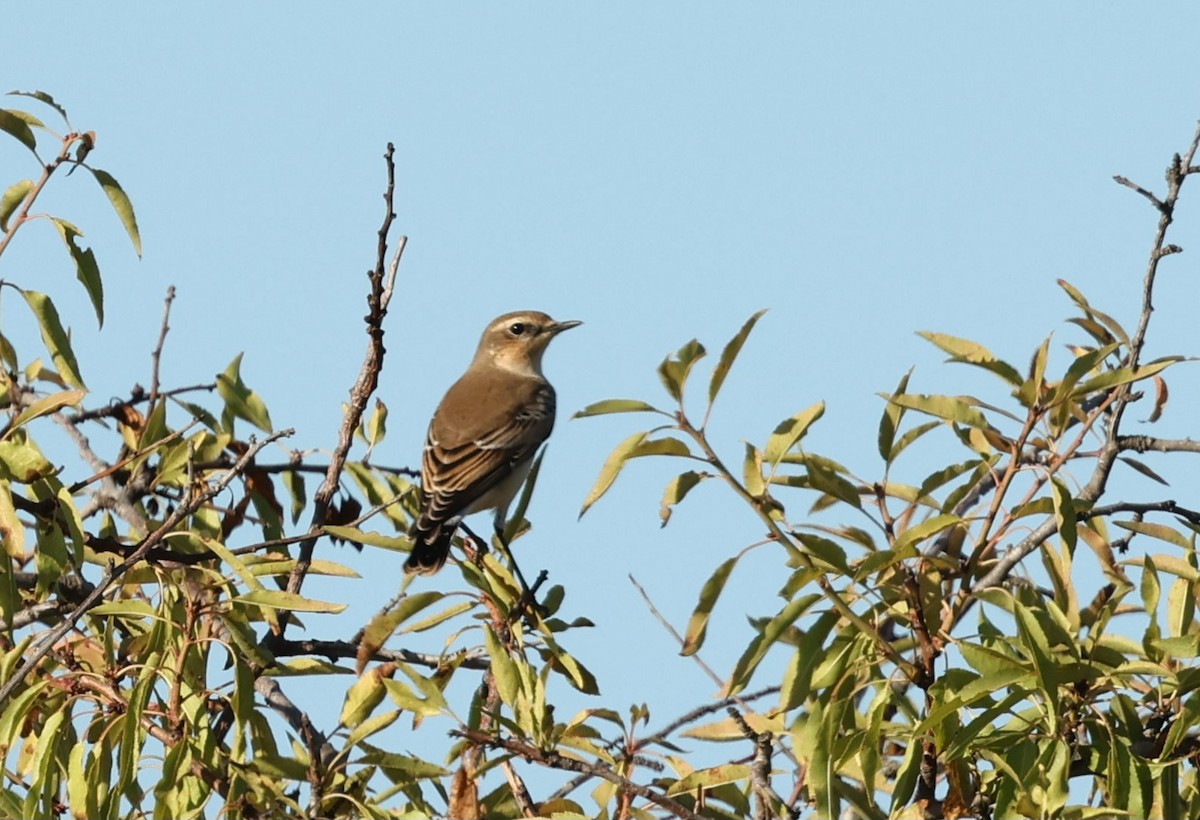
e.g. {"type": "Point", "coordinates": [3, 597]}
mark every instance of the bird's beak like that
{"type": "Point", "coordinates": [559, 327]}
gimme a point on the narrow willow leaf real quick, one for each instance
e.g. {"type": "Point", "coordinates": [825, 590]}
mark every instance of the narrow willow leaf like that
{"type": "Point", "coordinates": [371, 539]}
{"type": "Point", "coordinates": [45, 406]}
{"type": "Point", "coordinates": [12, 531]}
{"type": "Point", "coordinates": [771, 632]}
{"type": "Point", "coordinates": [665, 446]}
{"type": "Point", "coordinates": [948, 408]}
{"type": "Point", "coordinates": [377, 424]}
{"type": "Point", "coordinates": [912, 435]}
{"type": "Point", "coordinates": [18, 127]}
{"type": "Point", "coordinates": [42, 96]}
{"type": "Point", "coordinates": [278, 599]}
{"type": "Point", "coordinates": [1030, 392]}
{"type": "Point", "coordinates": [708, 778]}
{"type": "Point", "coordinates": [121, 204]}
{"type": "Point", "coordinates": [729, 354]}
{"type": "Point", "coordinates": [788, 432]}
{"type": "Point", "coordinates": [56, 339]}
{"type": "Point", "coordinates": [504, 669]}
{"type": "Point", "coordinates": [674, 370]}
{"type": "Point", "coordinates": [12, 199]}
{"type": "Point", "coordinates": [808, 654]}
{"type": "Point", "coordinates": [1035, 644]}
{"type": "Point", "coordinates": [86, 269]}
{"type": "Point", "coordinates": [611, 469]}
{"type": "Point", "coordinates": [1064, 514]}
{"type": "Point", "coordinates": [675, 492]}
{"type": "Point", "coordinates": [607, 406]}
{"type": "Point", "coordinates": [362, 698]}
{"type": "Point", "coordinates": [243, 402]}
{"type": "Point", "coordinates": [293, 481]}
{"type": "Point", "coordinates": [889, 424]}
{"type": "Point", "coordinates": [968, 352]}
{"type": "Point", "coordinates": [916, 534]}
{"type": "Point", "coordinates": [1160, 531]}
{"type": "Point", "coordinates": [826, 479]}
{"type": "Point", "coordinates": [697, 627]}
{"type": "Point", "coordinates": [752, 471]}
{"type": "Point", "coordinates": [1124, 375]}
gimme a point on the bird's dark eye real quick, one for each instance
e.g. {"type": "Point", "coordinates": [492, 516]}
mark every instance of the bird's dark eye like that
{"type": "Point", "coordinates": [518, 328]}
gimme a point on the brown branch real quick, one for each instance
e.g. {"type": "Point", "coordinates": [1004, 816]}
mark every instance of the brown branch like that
{"type": "Point", "coordinates": [137, 396]}
{"type": "Point", "coordinates": [520, 791]}
{"type": "Point", "coordinates": [364, 385]}
{"type": "Point", "coordinates": [47, 641]}
{"type": "Point", "coordinates": [1137, 508]}
{"type": "Point", "coordinates": [760, 769]}
{"type": "Point", "coordinates": [1145, 444]}
{"type": "Point", "coordinates": [554, 760]}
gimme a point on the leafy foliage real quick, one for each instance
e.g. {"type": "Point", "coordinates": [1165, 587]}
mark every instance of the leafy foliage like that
{"type": "Point", "coordinates": [944, 654]}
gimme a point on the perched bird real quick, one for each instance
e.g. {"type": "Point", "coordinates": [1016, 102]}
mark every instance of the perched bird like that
{"type": "Point", "coordinates": [484, 434]}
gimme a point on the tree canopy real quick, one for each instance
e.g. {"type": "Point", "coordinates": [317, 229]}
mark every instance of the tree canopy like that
{"type": "Point", "coordinates": [943, 653]}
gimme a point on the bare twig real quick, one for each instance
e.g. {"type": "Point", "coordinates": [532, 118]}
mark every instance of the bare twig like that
{"type": "Point", "coordinates": [520, 791]}
{"type": "Point", "coordinates": [156, 356]}
{"type": "Point", "coordinates": [364, 386]}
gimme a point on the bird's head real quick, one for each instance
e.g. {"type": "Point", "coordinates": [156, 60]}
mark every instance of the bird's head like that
{"type": "Point", "coordinates": [516, 341]}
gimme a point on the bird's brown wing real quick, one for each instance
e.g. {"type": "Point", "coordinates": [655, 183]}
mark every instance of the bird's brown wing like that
{"type": "Point", "coordinates": [477, 437]}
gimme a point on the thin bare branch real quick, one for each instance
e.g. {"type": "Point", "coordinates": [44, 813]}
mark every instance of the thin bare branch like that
{"type": "Point", "coordinates": [156, 356]}
{"type": "Point", "coordinates": [364, 385]}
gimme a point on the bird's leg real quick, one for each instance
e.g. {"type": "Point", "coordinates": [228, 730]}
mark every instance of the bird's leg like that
{"type": "Point", "coordinates": [528, 593]}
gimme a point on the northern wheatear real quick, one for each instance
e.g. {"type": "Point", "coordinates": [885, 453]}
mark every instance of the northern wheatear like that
{"type": "Point", "coordinates": [484, 434]}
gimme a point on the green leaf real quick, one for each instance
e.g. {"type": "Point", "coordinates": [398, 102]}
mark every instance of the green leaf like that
{"type": "Point", "coordinates": [771, 632]}
{"type": "Point", "coordinates": [354, 535]}
{"type": "Point", "coordinates": [12, 199]}
{"type": "Point", "coordinates": [697, 627]}
{"type": "Point", "coordinates": [504, 669]}
{"type": "Point", "coordinates": [56, 339]}
{"type": "Point", "coordinates": [729, 354]}
{"type": "Point", "coordinates": [42, 96]}
{"type": "Point", "coordinates": [607, 406]}
{"type": "Point", "coordinates": [403, 767]}
{"type": "Point", "coordinates": [18, 127]}
{"type": "Point", "coordinates": [1113, 326]}
{"type": "Point", "coordinates": [362, 698]}
{"type": "Point", "coordinates": [86, 269]}
{"type": "Point", "coordinates": [674, 370]}
{"type": "Point", "coordinates": [788, 432]}
{"type": "Point", "coordinates": [708, 778]}
{"type": "Point", "coordinates": [949, 408]}
{"type": "Point", "coordinates": [890, 422]}
{"type": "Point", "coordinates": [676, 490]}
{"type": "Point", "coordinates": [916, 534]}
{"type": "Point", "coordinates": [243, 402]}
{"type": "Point", "coordinates": [45, 406]}
{"type": "Point", "coordinates": [968, 352]}
{"type": "Point", "coordinates": [611, 469]}
{"type": "Point", "coordinates": [383, 626]}
{"type": "Point", "coordinates": [1064, 514]}
{"type": "Point", "coordinates": [121, 204]}
{"type": "Point", "coordinates": [278, 599]}
{"type": "Point", "coordinates": [824, 477]}
{"type": "Point", "coordinates": [1124, 375]}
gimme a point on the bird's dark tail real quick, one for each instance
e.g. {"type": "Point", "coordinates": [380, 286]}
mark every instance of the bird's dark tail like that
{"type": "Point", "coordinates": [431, 545]}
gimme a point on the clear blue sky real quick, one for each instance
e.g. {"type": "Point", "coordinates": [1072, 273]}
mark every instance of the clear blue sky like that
{"type": "Point", "coordinates": [657, 170]}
